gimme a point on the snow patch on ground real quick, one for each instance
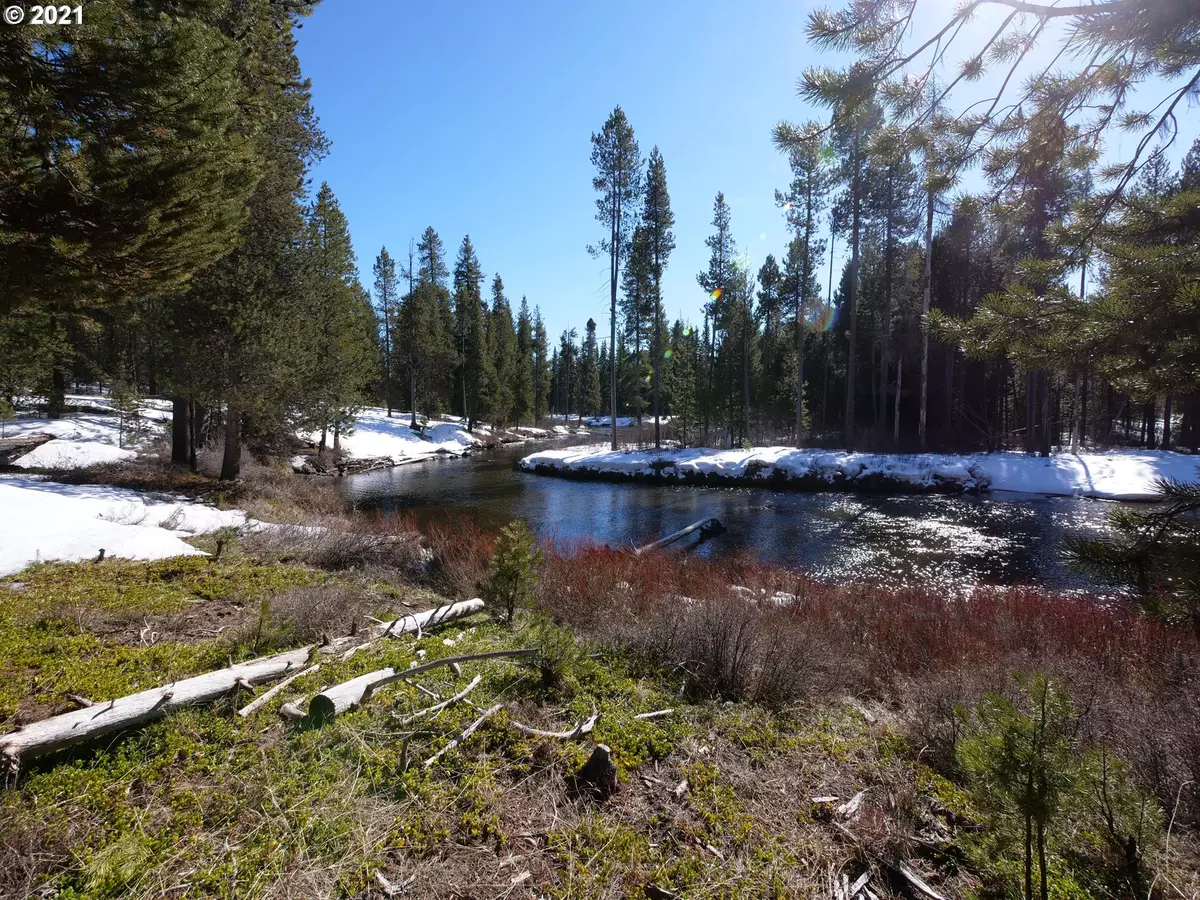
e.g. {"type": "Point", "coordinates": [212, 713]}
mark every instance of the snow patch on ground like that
{"type": "Point", "coordinates": [44, 520]}
{"type": "Point", "coordinates": [61, 454]}
{"type": "Point", "coordinates": [376, 436]}
{"type": "Point", "coordinates": [1118, 475]}
{"type": "Point", "coordinates": [87, 438]}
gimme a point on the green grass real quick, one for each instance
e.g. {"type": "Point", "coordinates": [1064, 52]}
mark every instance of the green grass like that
{"type": "Point", "coordinates": [207, 804]}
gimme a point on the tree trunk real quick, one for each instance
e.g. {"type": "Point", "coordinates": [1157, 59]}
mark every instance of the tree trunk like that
{"type": "Point", "coordinates": [656, 350]}
{"type": "Point", "coordinates": [922, 423]}
{"type": "Point", "coordinates": [1044, 445]}
{"type": "Point", "coordinates": [193, 432]}
{"type": "Point", "coordinates": [746, 372]}
{"type": "Point", "coordinates": [412, 393]}
{"type": "Point", "coordinates": [885, 349]}
{"type": "Point", "coordinates": [337, 438]}
{"type": "Point", "coordinates": [231, 462]}
{"type": "Point", "coordinates": [896, 417]}
{"type": "Point", "coordinates": [1167, 413]}
{"type": "Point", "coordinates": [1077, 415]}
{"type": "Point", "coordinates": [179, 431]}
{"type": "Point", "coordinates": [57, 732]}
{"type": "Point", "coordinates": [852, 354]}
{"type": "Point", "coordinates": [58, 393]}
{"type": "Point", "coordinates": [1041, 846]}
{"type": "Point", "coordinates": [800, 370]}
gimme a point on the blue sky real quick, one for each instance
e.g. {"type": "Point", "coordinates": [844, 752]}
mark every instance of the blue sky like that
{"type": "Point", "coordinates": [476, 118]}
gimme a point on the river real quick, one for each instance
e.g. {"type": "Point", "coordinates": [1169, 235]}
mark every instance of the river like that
{"type": "Point", "coordinates": [952, 540]}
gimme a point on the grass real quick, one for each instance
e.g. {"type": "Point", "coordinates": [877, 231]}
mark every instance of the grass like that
{"type": "Point", "coordinates": [840, 692]}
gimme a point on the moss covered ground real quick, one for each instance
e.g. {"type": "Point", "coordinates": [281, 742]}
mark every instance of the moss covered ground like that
{"type": "Point", "coordinates": [716, 799]}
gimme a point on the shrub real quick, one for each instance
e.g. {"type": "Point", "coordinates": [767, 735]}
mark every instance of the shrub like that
{"type": "Point", "coordinates": [1030, 774]}
{"type": "Point", "coordinates": [513, 572]}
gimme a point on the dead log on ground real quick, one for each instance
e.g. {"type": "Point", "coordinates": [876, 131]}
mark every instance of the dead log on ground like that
{"type": "Point", "coordinates": [350, 694]}
{"type": "Point", "coordinates": [57, 732]}
{"type": "Point", "coordinates": [13, 448]}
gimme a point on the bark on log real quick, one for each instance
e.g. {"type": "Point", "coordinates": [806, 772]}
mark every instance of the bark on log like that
{"type": "Point", "coordinates": [13, 448]}
{"type": "Point", "coordinates": [706, 527]}
{"type": "Point", "coordinates": [584, 727]}
{"type": "Point", "coordinates": [346, 696]}
{"type": "Point", "coordinates": [52, 734]}
{"type": "Point", "coordinates": [417, 622]}
{"type": "Point", "coordinates": [57, 732]}
{"type": "Point", "coordinates": [658, 713]}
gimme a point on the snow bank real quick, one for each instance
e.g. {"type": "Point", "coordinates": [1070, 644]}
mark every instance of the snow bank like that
{"type": "Point", "coordinates": [62, 454]}
{"type": "Point", "coordinates": [86, 438]}
{"type": "Point", "coordinates": [1119, 475]}
{"type": "Point", "coordinates": [44, 520]}
{"type": "Point", "coordinates": [375, 436]}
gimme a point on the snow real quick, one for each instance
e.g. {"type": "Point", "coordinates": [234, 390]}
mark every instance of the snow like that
{"type": "Point", "coordinates": [85, 438]}
{"type": "Point", "coordinates": [45, 520]}
{"type": "Point", "coordinates": [1117, 475]}
{"type": "Point", "coordinates": [60, 454]}
{"type": "Point", "coordinates": [376, 436]}
{"type": "Point", "coordinates": [623, 421]}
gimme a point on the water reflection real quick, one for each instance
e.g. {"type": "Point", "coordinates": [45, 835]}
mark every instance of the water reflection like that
{"type": "Point", "coordinates": [1004, 539]}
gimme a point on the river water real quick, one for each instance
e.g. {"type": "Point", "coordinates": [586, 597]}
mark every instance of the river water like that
{"type": "Point", "coordinates": [953, 540]}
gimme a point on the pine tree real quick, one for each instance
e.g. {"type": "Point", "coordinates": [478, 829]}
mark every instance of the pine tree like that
{"type": "Point", "coordinates": [339, 326]}
{"type": "Point", "coordinates": [618, 180]}
{"type": "Point", "coordinates": [680, 378]}
{"type": "Point", "coordinates": [523, 365]}
{"type": "Point", "coordinates": [587, 377]}
{"type": "Point", "coordinates": [541, 366]}
{"type": "Point", "coordinates": [470, 332]}
{"type": "Point", "coordinates": [717, 316]}
{"type": "Point", "coordinates": [770, 314]}
{"type": "Point", "coordinates": [892, 197]}
{"type": "Point", "coordinates": [637, 315]}
{"type": "Point", "coordinates": [387, 306]}
{"type": "Point", "coordinates": [852, 127]}
{"type": "Point", "coordinates": [658, 221]}
{"type": "Point", "coordinates": [233, 334]}
{"type": "Point", "coordinates": [427, 325]}
{"type": "Point", "coordinates": [502, 348]}
{"type": "Point", "coordinates": [123, 172]}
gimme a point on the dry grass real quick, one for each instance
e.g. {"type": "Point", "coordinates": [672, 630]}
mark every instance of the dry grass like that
{"type": "Point", "coordinates": [778, 638]}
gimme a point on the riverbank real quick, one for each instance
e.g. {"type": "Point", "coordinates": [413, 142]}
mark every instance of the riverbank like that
{"type": "Point", "coordinates": [803, 736]}
{"type": "Point", "coordinates": [1115, 475]}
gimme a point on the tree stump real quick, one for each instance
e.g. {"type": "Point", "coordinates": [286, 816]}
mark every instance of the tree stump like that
{"type": "Point", "coordinates": [597, 779]}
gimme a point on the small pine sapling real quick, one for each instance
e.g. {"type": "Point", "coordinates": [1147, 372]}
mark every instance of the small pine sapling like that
{"type": "Point", "coordinates": [1022, 762]}
{"type": "Point", "coordinates": [513, 572]}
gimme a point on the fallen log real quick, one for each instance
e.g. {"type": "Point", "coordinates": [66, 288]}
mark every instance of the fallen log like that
{"type": "Point", "coordinates": [707, 528]}
{"type": "Point", "coordinates": [57, 732]}
{"type": "Point", "coordinates": [261, 700]}
{"type": "Point", "coordinates": [658, 713]}
{"type": "Point", "coordinates": [350, 694]}
{"type": "Point", "coordinates": [13, 448]}
{"type": "Point", "coordinates": [415, 623]}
